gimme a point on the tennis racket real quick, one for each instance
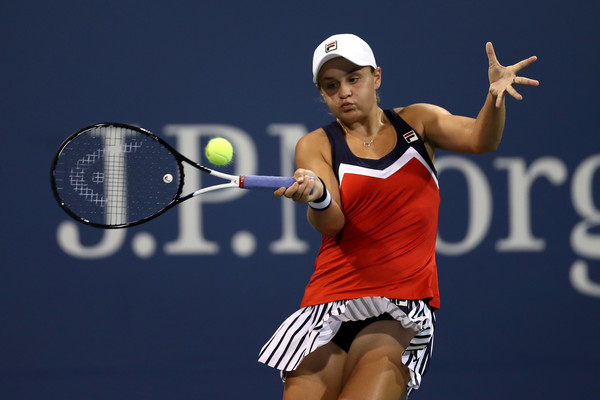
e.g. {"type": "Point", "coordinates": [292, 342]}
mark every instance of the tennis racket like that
{"type": "Point", "coordinates": [113, 175]}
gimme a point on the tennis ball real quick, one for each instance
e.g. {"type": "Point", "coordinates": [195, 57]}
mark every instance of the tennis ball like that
{"type": "Point", "coordinates": [219, 151]}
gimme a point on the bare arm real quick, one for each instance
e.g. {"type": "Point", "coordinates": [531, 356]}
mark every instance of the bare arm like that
{"type": "Point", "coordinates": [484, 133]}
{"type": "Point", "coordinates": [313, 160]}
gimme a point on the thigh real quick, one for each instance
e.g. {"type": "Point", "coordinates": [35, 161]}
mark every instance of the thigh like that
{"type": "Point", "coordinates": [374, 368]}
{"type": "Point", "coordinates": [319, 375]}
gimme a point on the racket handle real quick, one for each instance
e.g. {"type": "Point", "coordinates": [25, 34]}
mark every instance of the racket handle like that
{"type": "Point", "coordinates": [265, 182]}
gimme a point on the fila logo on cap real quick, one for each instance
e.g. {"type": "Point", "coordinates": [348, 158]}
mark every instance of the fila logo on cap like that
{"type": "Point", "coordinates": [331, 46]}
{"type": "Point", "coordinates": [410, 137]}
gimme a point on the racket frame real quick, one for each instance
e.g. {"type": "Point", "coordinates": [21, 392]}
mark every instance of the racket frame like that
{"type": "Point", "coordinates": [235, 181]}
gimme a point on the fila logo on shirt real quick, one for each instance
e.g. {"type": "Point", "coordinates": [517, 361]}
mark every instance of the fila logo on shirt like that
{"type": "Point", "coordinates": [410, 137]}
{"type": "Point", "coordinates": [331, 46]}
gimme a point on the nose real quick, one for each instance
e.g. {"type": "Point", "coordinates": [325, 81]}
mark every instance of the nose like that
{"type": "Point", "coordinates": [345, 90]}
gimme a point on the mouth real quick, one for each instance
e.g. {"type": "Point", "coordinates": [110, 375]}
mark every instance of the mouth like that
{"type": "Point", "coordinates": [346, 105]}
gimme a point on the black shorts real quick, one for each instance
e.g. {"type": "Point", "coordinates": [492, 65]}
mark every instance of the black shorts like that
{"type": "Point", "coordinates": [311, 327]}
{"type": "Point", "coordinates": [348, 330]}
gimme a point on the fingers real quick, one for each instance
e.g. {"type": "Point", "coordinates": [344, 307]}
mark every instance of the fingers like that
{"type": "Point", "coordinates": [301, 191]}
{"type": "Point", "coordinates": [504, 79]}
{"type": "Point", "coordinates": [489, 49]}
{"type": "Point", "coordinates": [521, 80]}
{"type": "Point", "coordinates": [511, 90]}
{"type": "Point", "coordinates": [524, 63]}
{"type": "Point", "coordinates": [279, 192]}
{"type": "Point", "coordinates": [304, 190]}
{"type": "Point", "coordinates": [500, 99]}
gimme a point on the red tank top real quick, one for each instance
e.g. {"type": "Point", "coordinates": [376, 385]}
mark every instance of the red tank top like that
{"type": "Point", "coordinates": [387, 245]}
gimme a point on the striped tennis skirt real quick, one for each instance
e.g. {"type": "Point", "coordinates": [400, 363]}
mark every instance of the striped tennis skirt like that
{"type": "Point", "coordinates": [311, 327]}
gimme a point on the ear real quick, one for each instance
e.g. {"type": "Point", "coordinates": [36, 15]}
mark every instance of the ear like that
{"type": "Point", "coordinates": [377, 77]}
{"type": "Point", "coordinates": [319, 89]}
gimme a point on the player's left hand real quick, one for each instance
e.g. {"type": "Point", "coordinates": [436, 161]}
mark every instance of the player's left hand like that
{"type": "Point", "coordinates": [503, 79]}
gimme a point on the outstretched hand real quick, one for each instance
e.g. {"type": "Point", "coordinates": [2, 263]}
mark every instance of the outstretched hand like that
{"type": "Point", "coordinates": [503, 79]}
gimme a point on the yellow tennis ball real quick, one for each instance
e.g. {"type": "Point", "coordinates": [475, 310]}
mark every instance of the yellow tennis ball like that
{"type": "Point", "coordinates": [219, 151]}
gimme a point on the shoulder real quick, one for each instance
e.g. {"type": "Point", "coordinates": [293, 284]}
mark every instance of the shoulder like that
{"type": "Point", "coordinates": [421, 111]}
{"type": "Point", "coordinates": [314, 144]}
{"type": "Point", "coordinates": [420, 115]}
{"type": "Point", "coordinates": [313, 140]}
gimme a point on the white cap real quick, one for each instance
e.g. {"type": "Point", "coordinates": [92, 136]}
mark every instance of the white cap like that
{"type": "Point", "coordinates": [346, 45]}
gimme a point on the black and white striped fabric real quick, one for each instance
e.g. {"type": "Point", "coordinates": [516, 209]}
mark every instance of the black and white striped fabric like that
{"type": "Point", "coordinates": [311, 327]}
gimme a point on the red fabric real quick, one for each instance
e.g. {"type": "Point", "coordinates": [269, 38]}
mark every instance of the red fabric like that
{"type": "Point", "coordinates": [387, 246]}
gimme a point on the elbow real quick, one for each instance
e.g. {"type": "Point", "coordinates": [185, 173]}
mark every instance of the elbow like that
{"type": "Point", "coordinates": [329, 222]}
{"type": "Point", "coordinates": [484, 148]}
{"type": "Point", "coordinates": [331, 228]}
{"type": "Point", "coordinates": [486, 140]}
{"type": "Point", "coordinates": [330, 232]}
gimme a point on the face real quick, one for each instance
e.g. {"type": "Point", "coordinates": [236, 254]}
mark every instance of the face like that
{"type": "Point", "coordinates": [350, 91]}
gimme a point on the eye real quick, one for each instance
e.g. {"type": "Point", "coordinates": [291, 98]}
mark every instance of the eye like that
{"type": "Point", "coordinates": [330, 86]}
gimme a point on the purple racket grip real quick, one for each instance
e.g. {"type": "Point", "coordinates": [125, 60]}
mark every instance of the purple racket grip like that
{"type": "Point", "coordinates": [265, 182]}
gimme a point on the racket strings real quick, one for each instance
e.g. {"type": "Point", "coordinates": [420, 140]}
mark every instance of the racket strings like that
{"type": "Point", "coordinates": [114, 176]}
{"type": "Point", "coordinates": [78, 182]}
{"type": "Point", "coordinates": [115, 170]}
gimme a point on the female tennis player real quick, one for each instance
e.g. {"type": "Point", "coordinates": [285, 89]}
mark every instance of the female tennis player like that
{"type": "Point", "coordinates": [365, 328]}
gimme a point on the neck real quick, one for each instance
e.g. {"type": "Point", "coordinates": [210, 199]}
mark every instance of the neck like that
{"type": "Point", "coordinates": [365, 131]}
{"type": "Point", "coordinates": [368, 127]}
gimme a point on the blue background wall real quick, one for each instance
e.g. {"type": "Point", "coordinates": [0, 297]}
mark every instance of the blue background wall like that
{"type": "Point", "coordinates": [178, 308]}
